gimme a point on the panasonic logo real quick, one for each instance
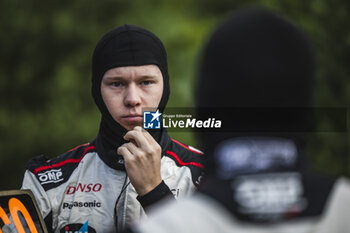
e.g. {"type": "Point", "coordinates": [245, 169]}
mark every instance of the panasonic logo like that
{"type": "Point", "coordinates": [91, 204]}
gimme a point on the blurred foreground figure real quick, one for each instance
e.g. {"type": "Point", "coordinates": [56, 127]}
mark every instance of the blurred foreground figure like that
{"type": "Point", "coordinates": [257, 181]}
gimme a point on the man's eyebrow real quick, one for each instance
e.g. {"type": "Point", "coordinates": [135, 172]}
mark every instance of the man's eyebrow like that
{"type": "Point", "coordinates": [114, 77]}
{"type": "Point", "coordinates": [121, 78]}
{"type": "Point", "coordinates": [148, 76]}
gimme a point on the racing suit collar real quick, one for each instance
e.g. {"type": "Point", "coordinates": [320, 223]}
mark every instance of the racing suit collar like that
{"type": "Point", "coordinates": [313, 190]}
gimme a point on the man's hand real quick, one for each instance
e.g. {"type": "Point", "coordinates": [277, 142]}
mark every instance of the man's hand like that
{"type": "Point", "coordinates": [142, 160]}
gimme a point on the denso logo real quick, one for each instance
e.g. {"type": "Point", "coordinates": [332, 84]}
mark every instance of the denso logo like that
{"type": "Point", "coordinates": [85, 188]}
{"type": "Point", "coordinates": [51, 176]}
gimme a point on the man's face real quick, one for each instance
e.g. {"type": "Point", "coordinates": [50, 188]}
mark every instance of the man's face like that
{"type": "Point", "coordinates": [126, 90]}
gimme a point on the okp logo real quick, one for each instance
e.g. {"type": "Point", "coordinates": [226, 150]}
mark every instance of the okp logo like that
{"type": "Point", "coordinates": [151, 120]}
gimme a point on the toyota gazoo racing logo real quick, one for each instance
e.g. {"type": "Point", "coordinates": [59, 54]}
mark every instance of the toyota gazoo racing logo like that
{"type": "Point", "coordinates": [269, 196]}
{"type": "Point", "coordinates": [51, 176]}
{"type": "Point", "coordinates": [78, 228]}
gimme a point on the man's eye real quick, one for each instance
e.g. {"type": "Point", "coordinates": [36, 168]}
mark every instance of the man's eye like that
{"type": "Point", "coordinates": [116, 84]}
{"type": "Point", "coordinates": [145, 83]}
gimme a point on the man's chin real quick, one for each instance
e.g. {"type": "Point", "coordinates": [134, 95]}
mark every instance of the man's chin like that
{"type": "Point", "coordinates": [131, 126]}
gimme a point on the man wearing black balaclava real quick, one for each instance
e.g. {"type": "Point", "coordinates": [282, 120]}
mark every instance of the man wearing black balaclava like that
{"type": "Point", "coordinates": [256, 62]}
{"type": "Point", "coordinates": [109, 183]}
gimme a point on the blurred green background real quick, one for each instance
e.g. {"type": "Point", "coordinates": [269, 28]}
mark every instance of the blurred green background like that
{"type": "Point", "coordinates": [46, 47]}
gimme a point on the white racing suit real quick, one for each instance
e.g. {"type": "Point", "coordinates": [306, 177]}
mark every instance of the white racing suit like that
{"type": "Point", "coordinates": [201, 213]}
{"type": "Point", "coordinates": [260, 184]}
{"type": "Point", "coordinates": [84, 190]}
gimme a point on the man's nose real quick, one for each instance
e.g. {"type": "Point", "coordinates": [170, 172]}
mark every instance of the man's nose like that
{"type": "Point", "coordinates": [132, 96]}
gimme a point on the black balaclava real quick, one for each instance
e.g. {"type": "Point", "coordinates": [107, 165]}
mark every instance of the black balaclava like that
{"type": "Point", "coordinates": [127, 45]}
{"type": "Point", "coordinates": [255, 59]}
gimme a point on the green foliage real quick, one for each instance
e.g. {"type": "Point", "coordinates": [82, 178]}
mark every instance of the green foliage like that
{"type": "Point", "coordinates": [46, 47]}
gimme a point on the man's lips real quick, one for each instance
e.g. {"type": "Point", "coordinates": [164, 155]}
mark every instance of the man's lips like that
{"type": "Point", "coordinates": [132, 118]}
